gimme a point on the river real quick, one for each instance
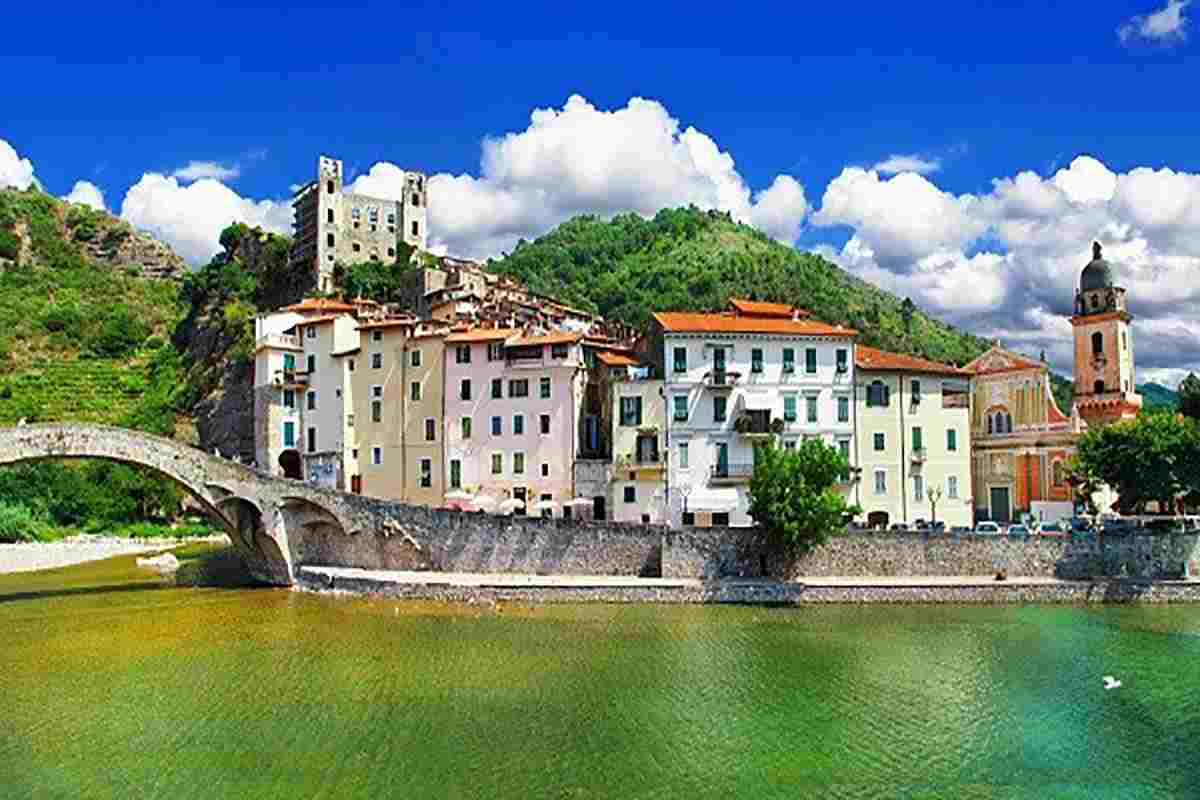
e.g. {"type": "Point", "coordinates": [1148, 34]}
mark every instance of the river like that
{"type": "Point", "coordinates": [115, 686]}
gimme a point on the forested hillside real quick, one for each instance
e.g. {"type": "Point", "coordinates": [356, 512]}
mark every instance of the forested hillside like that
{"type": "Point", "coordinates": [687, 259]}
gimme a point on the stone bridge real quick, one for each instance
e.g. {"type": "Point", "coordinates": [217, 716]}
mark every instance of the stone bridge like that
{"type": "Point", "coordinates": [269, 519]}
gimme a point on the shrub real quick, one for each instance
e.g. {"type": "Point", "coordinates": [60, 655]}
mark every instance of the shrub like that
{"type": "Point", "coordinates": [65, 319]}
{"type": "Point", "coordinates": [10, 246]}
{"type": "Point", "coordinates": [120, 334]}
{"type": "Point", "coordinates": [19, 524]}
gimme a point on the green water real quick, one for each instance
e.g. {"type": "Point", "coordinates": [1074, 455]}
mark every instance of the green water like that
{"type": "Point", "coordinates": [114, 687]}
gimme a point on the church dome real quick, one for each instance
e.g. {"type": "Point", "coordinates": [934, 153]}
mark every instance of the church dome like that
{"type": "Point", "coordinates": [1098, 274]}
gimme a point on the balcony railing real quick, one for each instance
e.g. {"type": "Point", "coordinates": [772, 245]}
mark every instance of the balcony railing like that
{"type": "Point", "coordinates": [285, 340]}
{"type": "Point", "coordinates": [918, 455]}
{"type": "Point", "coordinates": [731, 471]}
{"type": "Point", "coordinates": [721, 379]}
{"type": "Point", "coordinates": [290, 377]}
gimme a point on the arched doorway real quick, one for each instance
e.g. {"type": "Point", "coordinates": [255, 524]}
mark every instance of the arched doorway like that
{"type": "Point", "coordinates": [289, 461]}
{"type": "Point", "coordinates": [877, 519]}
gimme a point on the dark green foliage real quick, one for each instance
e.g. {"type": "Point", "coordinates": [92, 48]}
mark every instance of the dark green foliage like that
{"type": "Point", "coordinates": [95, 495]}
{"type": "Point", "coordinates": [10, 248]}
{"type": "Point", "coordinates": [19, 524]}
{"type": "Point", "coordinates": [1189, 396]}
{"type": "Point", "coordinates": [1153, 457]}
{"type": "Point", "coordinates": [120, 334]}
{"type": "Point", "coordinates": [685, 259]}
{"type": "Point", "coordinates": [1063, 391]}
{"type": "Point", "coordinates": [160, 398]}
{"type": "Point", "coordinates": [63, 319]}
{"type": "Point", "coordinates": [84, 222]}
{"type": "Point", "coordinates": [375, 280]}
{"type": "Point", "coordinates": [794, 495]}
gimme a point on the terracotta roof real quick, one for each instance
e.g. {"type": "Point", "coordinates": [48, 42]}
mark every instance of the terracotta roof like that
{"type": "Point", "coordinates": [755, 308]}
{"type": "Point", "coordinates": [870, 358]}
{"type": "Point", "coordinates": [548, 338]}
{"type": "Point", "coordinates": [997, 360]}
{"type": "Point", "coordinates": [320, 304]}
{"type": "Point", "coordinates": [386, 323]}
{"type": "Point", "coordinates": [616, 359]}
{"type": "Point", "coordinates": [680, 322]}
{"type": "Point", "coordinates": [481, 335]}
{"type": "Point", "coordinates": [317, 320]}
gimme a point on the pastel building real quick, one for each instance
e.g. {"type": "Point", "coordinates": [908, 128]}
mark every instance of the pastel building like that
{"type": "Point", "coordinates": [512, 414]}
{"type": "Point", "coordinates": [734, 379]}
{"type": "Point", "coordinates": [913, 440]}
{"type": "Point", "coordinates": [638, 421]}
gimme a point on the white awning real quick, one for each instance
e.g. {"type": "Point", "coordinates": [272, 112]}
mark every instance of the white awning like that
{"type": "Point", "coordinates": [758, 401]}
{"type": "Point", "coordinates": [722, 498]}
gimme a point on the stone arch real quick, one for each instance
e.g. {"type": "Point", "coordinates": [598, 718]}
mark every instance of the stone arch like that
{"type": "Point", "coordinates": [314, 534]}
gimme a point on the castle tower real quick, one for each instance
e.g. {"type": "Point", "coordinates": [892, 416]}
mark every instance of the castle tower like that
{"type": "Point", "coordinates": [1104, 380]}
{"type": "Point", "coordinates": [329, 216]}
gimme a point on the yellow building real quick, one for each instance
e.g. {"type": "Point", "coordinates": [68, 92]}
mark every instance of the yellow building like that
{"type": "Point", "coordinates": [913, 440]}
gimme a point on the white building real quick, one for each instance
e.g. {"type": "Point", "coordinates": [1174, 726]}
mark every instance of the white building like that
{"type": "Point", "coordinates": [737, 378]}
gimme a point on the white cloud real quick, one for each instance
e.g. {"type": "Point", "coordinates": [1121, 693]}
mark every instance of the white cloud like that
{"type": "Point", "coordinates": [191, 217]}
{"type": "Point", "coordinates": [897, 163]}
{"type": "Point", "coordinates": [582, 159]}
{"type": "Point", "coordinates": [15, 171]}
{"type": "Point", "coordinates": [1167, 25]}
{"type": "Point", "coordinates": [88, 194]}
{"type": "Point", "coordinates": [198, 170]}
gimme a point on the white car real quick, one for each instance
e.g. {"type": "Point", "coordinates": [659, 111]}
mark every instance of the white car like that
{"type": "Point", "coordinates": [987, 529]}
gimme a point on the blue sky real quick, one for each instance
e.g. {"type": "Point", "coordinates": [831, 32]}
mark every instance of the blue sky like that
{"type": "Point", "coordinates": [110, 93]}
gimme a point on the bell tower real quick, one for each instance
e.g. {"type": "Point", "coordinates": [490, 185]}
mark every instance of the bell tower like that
{"type": "Point", "coordinates": [1104, 380]}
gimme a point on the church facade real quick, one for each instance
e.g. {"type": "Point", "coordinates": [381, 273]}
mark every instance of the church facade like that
{"type": "Point", "coordinates": [1021, 440]}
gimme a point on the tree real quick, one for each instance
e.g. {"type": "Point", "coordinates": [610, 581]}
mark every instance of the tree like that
{"type": "Point", "coordinates": [794, 495]}
{"type": "Point", "coordinates": [934, 493]}
{"type": "Point", "coordinates": [1189, 396]}
{"type": "Point", "coordinates": [1153, 457]}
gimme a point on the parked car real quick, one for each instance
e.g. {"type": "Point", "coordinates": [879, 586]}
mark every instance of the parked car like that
{"type": "Point", "coordinates": [960, 530]}
{"type": "Point", "coordinates": [1018, 532]}
{"type": "Point", "coordinates": [987, 529]}
{"type": "Point", "coordinates": [1053, 530]}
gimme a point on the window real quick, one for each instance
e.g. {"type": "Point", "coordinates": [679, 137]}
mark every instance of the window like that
{"type": "Point", "coordinates": [843, 409]}
{"type": "Point", "coordinates": [545, 470]}
{"type": "Point", "coordinates": [464, 389]}
{"type": "Point", "coordinates": [756, 359]}
{"type": "Point", "coordinates": [951, 440]}
{"type": "Point", "coordinates": [329, 240]}
{"type": "Point", "coordinates": [289, 362]}
{"type": "Point", "coordinates": [789, 359]}
{"type": "Point", "coordinates": [289, 398]}
{"type": "Point", "coordinates": [415, 391]}
{"type": "Point", "coordinates": [414, 358]}
{"type": "Point", "coordinates": [391, 250]}
{"type": "Point", "coordinates": [518, 463]}
{"type": "Point", "coordinates": [310, 332]}
{"type": "Point", "coordinates": [1098, 387]}
{"type": "Point", "coordinates": [350, 365]}
{"type": "Point", "coordinates": [789, 408]}
{"type": "Point", "coordinates": [376, 336]}
{"type": "Point", "coordinates": [843, 360]}
{"type": "Point", "coordinates": [559, 350]}
{"type": "Point", "coordinates": [915, 391]}
{"type": "Point", "coordinates": [1097, 344]}
{"type": "Point", "coordinates": [518, 387]}
{"type": "Point", "coordinates": [630, 494]}
{"type": "Point", "coordinates": [683, 456]}
{"type": "Point", "coordinates": [918, 488]}
{"type": "Point", "coordinates": [356, 247]}
{"type": "Point", "coordinates": [312, 440]}
{"type": "Point", "coordinates": [631, 411]}
{"type": "Point", "coordinates": [430, 430]}
{"type": "Point", "coordinates": [720, 519]}
{"type": "Point", "coordinates": [349, 420]}
{"type": "Point", "coordinates": [810, 407]}
{"type": "Point", "coordinates": [376, 411]}
{"type": "Point", "coordinates": [354, 454]}
{"type": "Point", "coordinates": [497, 463]}
{"type": "Point", "coordinates": [312, 401]}
{"type": "Point", "coordinates": [376, 391]}
{"type": "Point", "coordinates": [426, 473]}
{"type": "Point", "coordinates": [495, 351]}
{"type": "Point", "coordinates": [416, 200]}
{"type": "Point", "coordinates": [544, 424]}
{"type": "Point", "coordinates": [916, 439]}
{"type": "Point", "coordinates": [497, 388]}
{"type": "Point", "coordinates": [376, 360]}
{"type": "Point", "coordinates": [880, 442]}
{"type": "Point", "coordinates": [497, 426]}
{"type": "Point", "coordinates": [289, 434]}
{"type": "Point", "coordinates": [455, 474]}
{"type": "Point", "coordinates": [952, 487]}
{"type": "Point", "coordinates": [544, 388]}
{"type": "Point", "coordinates": [356, 214]}
{"type": "Point", "coordinates": [719, 410]}
{"type": "Point", "coordinates": [312, 364]}
{"type": "Point", "coordinates": [880, 481]}
{"type": "Point", "coordinates": [680, 402]}
{"type": "Point", "coordinates": [844, 448]}
{"type": "Point", "coordinates": [789, 444]}
{"type": "Point", "coordinates": [680, 359]}
{"type": "Point", "coordinates": [688, 519]}
{"type": "Point", "coordinates": [377, 456]}
{"type": "Point", "coordinates": [416, 228]}
{"type": "Point", "coordinates": [462, 354]}
{"type": "Point", "coordinates": [464, 425]}
{"type": "Point", "coordinates": [878, 394]}
{"type": "Point", "coordinates": [518, 424]}
{"type": "Point", "coordinates": [329, 215]}
{"type": "Point", "coordinates": [810, 360]}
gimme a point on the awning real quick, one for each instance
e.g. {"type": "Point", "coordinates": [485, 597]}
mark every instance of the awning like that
{"type": "Point", "coordinates": [723, 498]}
{"type": "Point", "coordinates": [758, 401]}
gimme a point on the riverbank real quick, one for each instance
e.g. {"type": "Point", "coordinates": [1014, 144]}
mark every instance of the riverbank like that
{"type": "Point", "coordinates": [81, 548]}
{"type": "Point", "coordinates": [544, 589]}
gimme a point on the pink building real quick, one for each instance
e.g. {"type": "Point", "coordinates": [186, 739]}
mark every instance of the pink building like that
{"type": "Point", "coordinates": [512, 414]}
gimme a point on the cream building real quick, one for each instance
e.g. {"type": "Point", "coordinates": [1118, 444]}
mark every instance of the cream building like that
{"type": "Point", "coordinates": [913, 440]}
{"type": "Point", "coordinates": [638, 487]}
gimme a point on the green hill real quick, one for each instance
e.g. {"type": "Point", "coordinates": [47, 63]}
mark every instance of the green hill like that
{"type": "Point", "coordinates": [1155, 395]}
{"type": "Point", "coordinates": [687, 259]}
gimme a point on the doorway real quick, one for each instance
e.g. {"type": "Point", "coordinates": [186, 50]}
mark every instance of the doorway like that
{"type": "Point", "coordinates": [1000, 508]}
{"type": "Point", "coordinates": [598, 509]}
{"type": "Point", "coordinates": [877, 520]}
{"type": "Point", "coordinates": [521, 494]}
{"type": "Point", "coordinates": [289, 461]}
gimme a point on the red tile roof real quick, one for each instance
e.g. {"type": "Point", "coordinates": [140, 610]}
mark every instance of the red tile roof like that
{"type": "Point", "coordinates": [997, 360]}
{"type": "Point", "coordinates": [871, 359]}
{"type": "Point", "coordinates": [682, 322]}
{"type": "Point", "coordinates": [754, 308]}
{"type": "Point", "coordinates": [387, 323]}
{"type": "Point", "coordinates": [481, 335]}
{"type": "Point", "coordinates": [616, 359]}
{"type": "Point", "coordinates": [549, 338]}
{"type": "Point", "coordinates": [320, 304]}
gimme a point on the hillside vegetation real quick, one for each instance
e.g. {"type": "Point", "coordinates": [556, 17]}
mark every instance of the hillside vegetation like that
{"type": "Point", "coordinates": [691, 260]}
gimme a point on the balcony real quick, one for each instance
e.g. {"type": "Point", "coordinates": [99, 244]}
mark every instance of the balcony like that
{"type": "Point", "coordinates": [918, 455]}
{"type": "Point", "coordinates": [731, 473]}
{"type": "Point", "coordinates": [758, 425]}
{"type": "Point", "coordinates": [721, 380]}
{"type": "Point", "coordinates": [290, 378]}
